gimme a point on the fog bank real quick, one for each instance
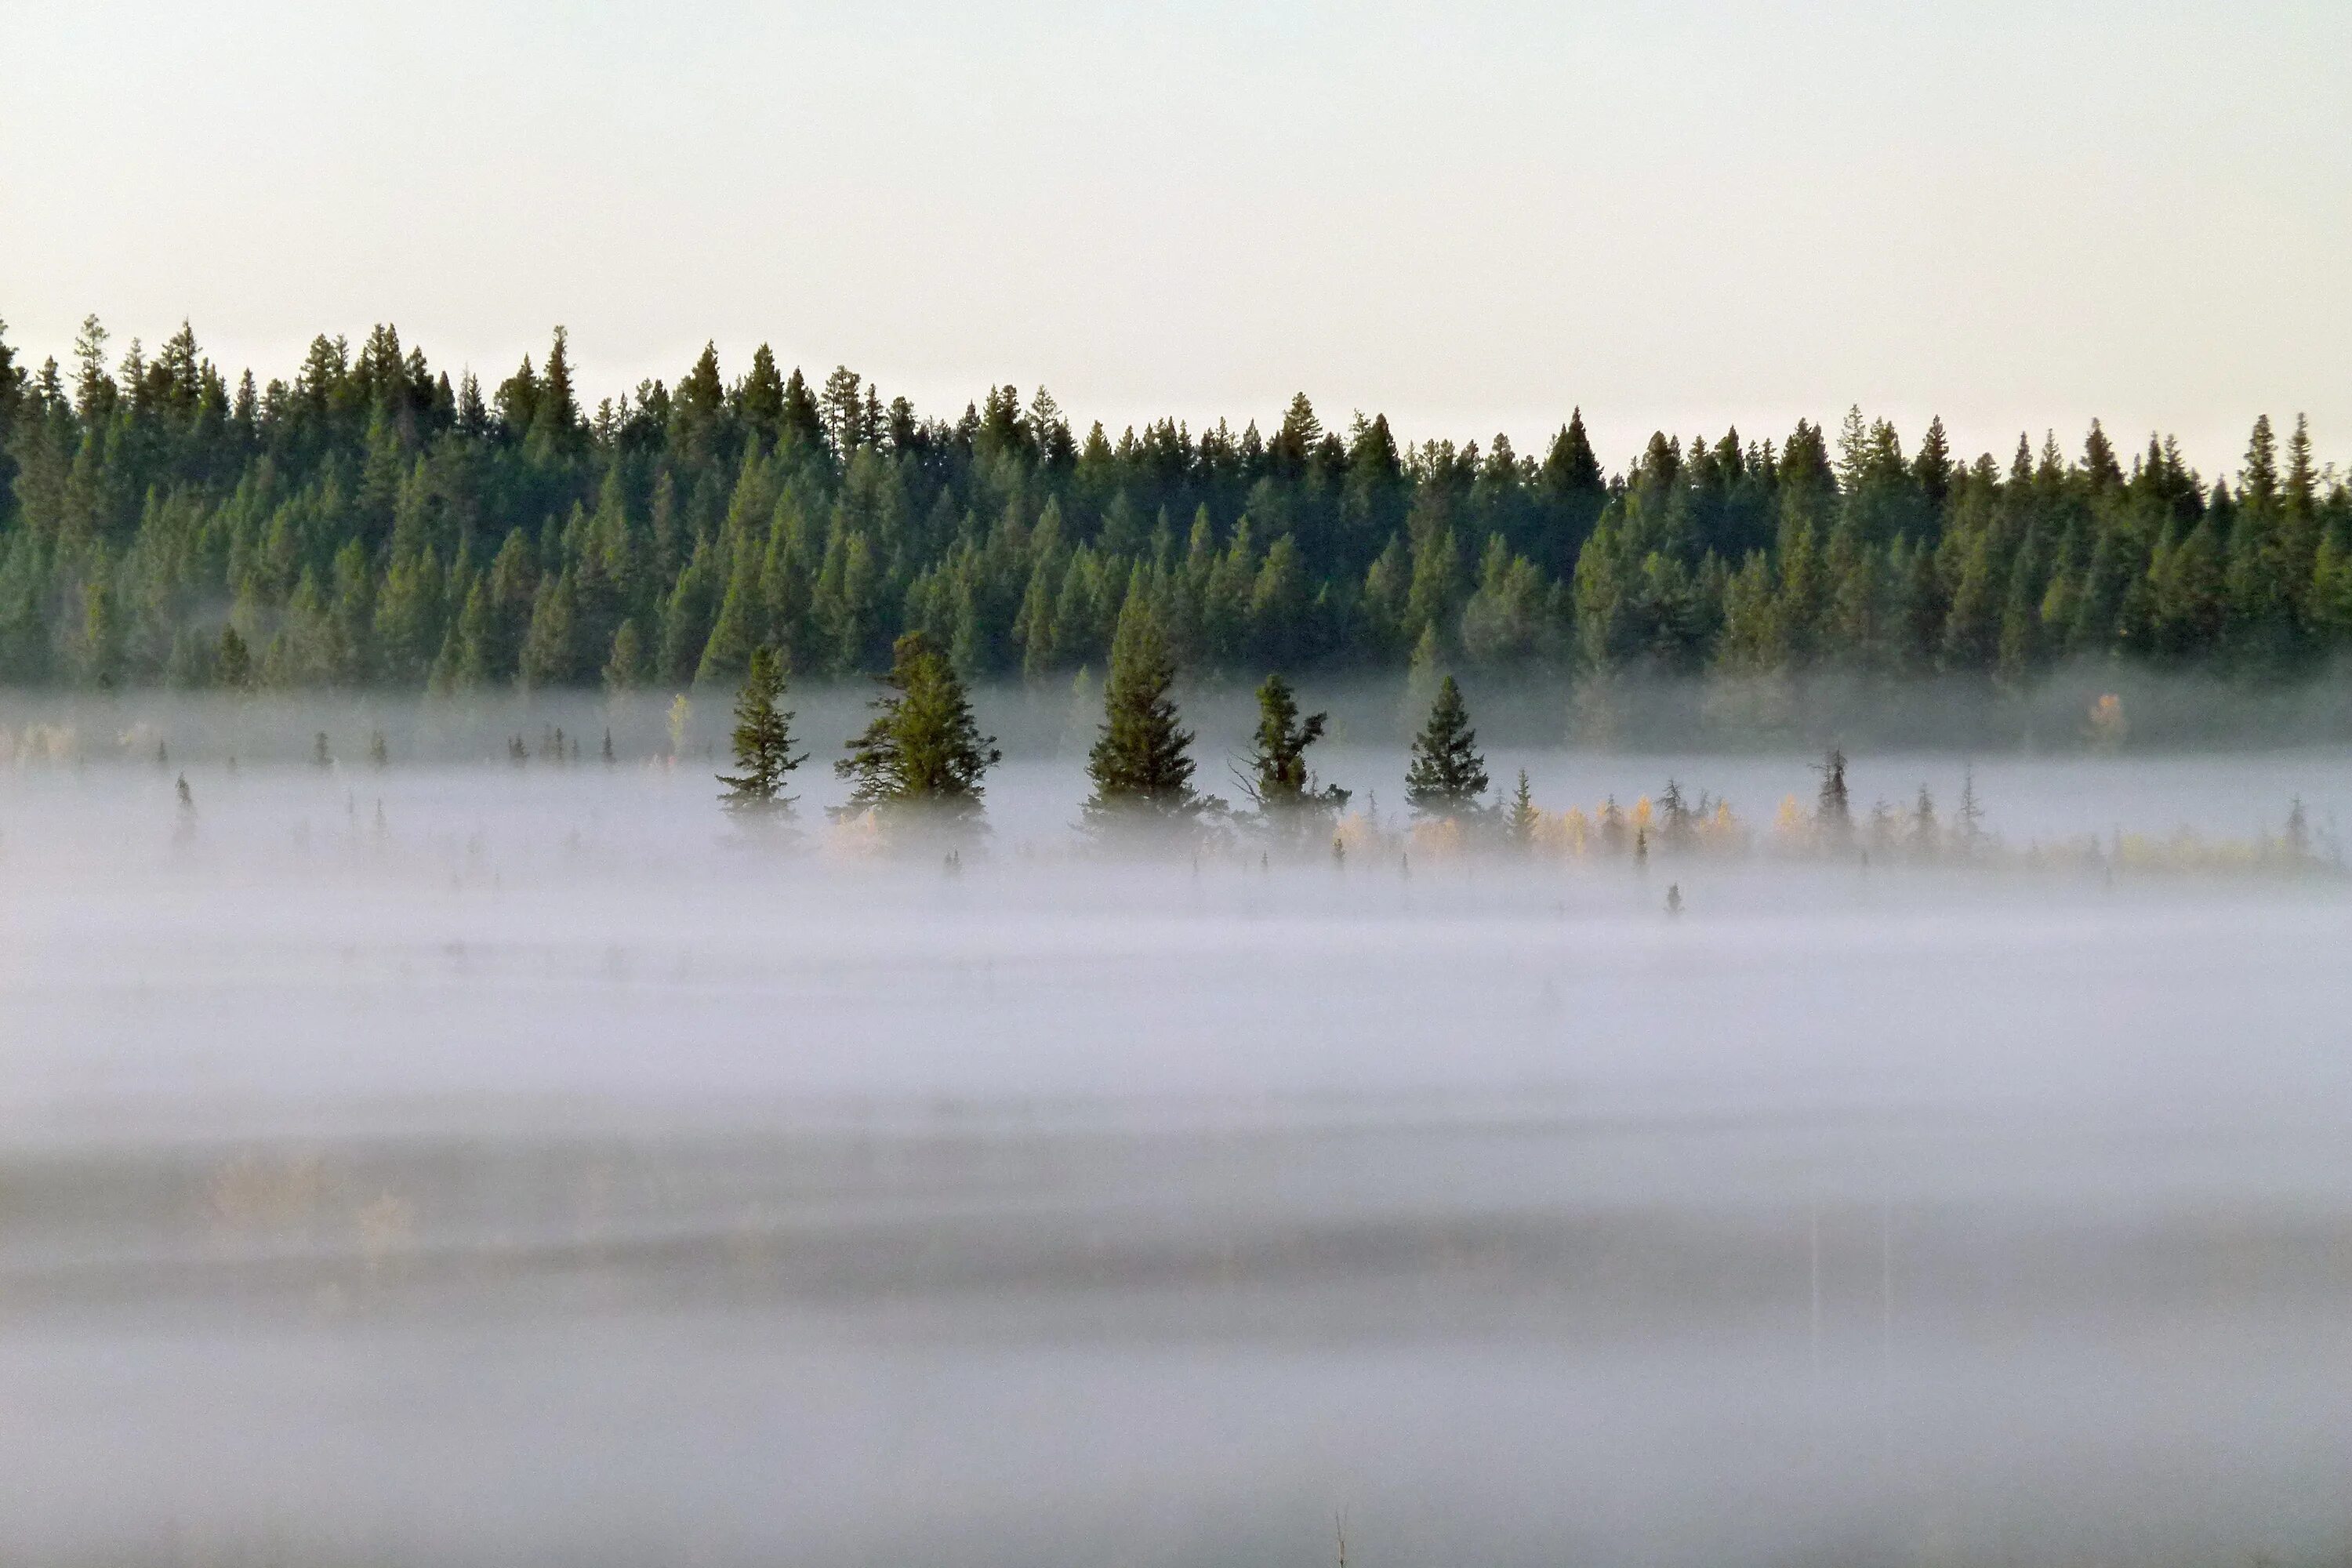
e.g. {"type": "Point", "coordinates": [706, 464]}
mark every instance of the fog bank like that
{"type": "Point", "coordinates": [536, 1168]}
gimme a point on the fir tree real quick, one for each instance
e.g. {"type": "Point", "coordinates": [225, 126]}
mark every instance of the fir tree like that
{"type": "Point", "coordinates": [1834, 811]}
{"type": "Point", "coordinates": [1676, 821]}
{"type": "Point", "coordinates": [1276, 777]}
{"type": "Point", "coordinates": [762, 741]}
{"type": "Point", "coordinates": [1446, 774]}
{"type": "Point", "coordinates": [1969, 820]}
{"type": "Point", "coordinates": [234, 667]}
{"type": "Point", "coordinates": [1520, 817]}
{"type": "Point", "coordinates": [923, 751]}
{"type": "Point", "coordinates": [1141, 764]}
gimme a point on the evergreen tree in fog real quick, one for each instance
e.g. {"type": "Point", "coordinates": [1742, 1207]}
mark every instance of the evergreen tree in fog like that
{"type": "Point", "coordinates": [1447, 774]}
{"type": "Point", "coordinates": [763, 740]}
{"type": "Point", "coordinates": [923, 751]}
{"type": "Point", "coordinates": [1141, 764]}
{"type": "Point", "coordinates": [1276, 777]}
{"type": "Point", "coordinates": [1834, 814]}
{"type": "Point", "coordinates": [1519, 818]}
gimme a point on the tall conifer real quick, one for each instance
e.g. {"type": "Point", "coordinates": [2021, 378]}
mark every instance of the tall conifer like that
{"type": "Point", "coordinates": [762, 741]}
{"type": "Point", "coordinates": [1141, 764]}
{"type": "Point", "coordinates": [1447, 774]}
{"type": "Point", "coordinates": [923, 753]}
{"type": "Point", "coordinates": [1276, 777]}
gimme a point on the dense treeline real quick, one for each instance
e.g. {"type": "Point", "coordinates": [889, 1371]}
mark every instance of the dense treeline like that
{"type": "Point", "coordinates": [371, 523]}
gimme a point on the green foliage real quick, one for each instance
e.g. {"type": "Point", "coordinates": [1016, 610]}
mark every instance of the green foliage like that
{"type": "Point", "coordinates": [1447, 775]}
{"type": "Point", "coordinates": [1520, 817]}
{"type": "Point", "coordinates": [923, 751]}
{"type": "Point", "coordinates": [365, 522]}
{"type": "Point", "coordinates": [1274, 775]}
{"type": "Point", "coordinates": [1141, 764]}
{"type": "Point", "coordinates": [763, 740]}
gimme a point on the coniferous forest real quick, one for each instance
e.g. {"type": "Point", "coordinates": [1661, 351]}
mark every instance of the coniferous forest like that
{"type": "Point", "coordinates": [371, 524]}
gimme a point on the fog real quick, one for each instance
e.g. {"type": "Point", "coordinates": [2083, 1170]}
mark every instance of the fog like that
{"type": "Point", "coordinates": [460, 1159]}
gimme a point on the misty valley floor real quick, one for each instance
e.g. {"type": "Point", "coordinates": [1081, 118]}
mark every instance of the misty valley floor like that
{"type": "Point", "coordinates": [544, 1178]}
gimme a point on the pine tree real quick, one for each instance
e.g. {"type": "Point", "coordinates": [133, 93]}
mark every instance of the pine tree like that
{"type": "Point", "coordinates": [1446, 774]}
{"type": "Point", "coordinates": [763, 740]}
{"type": "Point", "coordinates": [923, 751]}
{"type": "Point", "coordinates": [1677, 823]}
{"type": "Point", "coordinates": [1141, 764]}
{"type": "Point", "coordinates": [1520, 817]}
{"type": "Point", "coordinates": [1968, 821]}
{"type": "Point", "coordinates": [624, 665]}
{"type": "Point", "coordinates": [234, 666]}
{"type": "Point", "coordinates": [1834, 811]}
{"type": "Point", "coordinates": [1276, 776]}
{"type": "Point", "coordinates": [1927, 837]}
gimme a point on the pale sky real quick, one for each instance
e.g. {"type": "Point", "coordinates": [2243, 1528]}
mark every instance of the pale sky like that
{"type": "Point", "coordinates": [1472, 217]}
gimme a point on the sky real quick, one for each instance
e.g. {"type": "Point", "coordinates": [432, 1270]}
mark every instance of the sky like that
{"type": "Point", "coordinates": [1472, 217]}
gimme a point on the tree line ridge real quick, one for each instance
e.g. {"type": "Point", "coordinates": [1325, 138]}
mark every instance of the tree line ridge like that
{"type": "Point", "coordinates": [370, 524]}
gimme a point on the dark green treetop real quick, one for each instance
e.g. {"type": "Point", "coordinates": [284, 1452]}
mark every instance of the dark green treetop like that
{"type": "Point", "coordinates": [923, 751]}
{"type": "Point", "coordinates": [1141, 764]}
{"type": "Point", "coordinates": [1520, 817]}
{"type": "Point", "coordinates": [762, 740]}
{"type": "Point", "coordinates": [1276, 776]}
{"type": "Point", "coordinates": [1447, 774]}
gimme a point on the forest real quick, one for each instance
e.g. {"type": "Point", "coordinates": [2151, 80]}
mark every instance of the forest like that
{"type": "Point", "coordinates": [369, 524]}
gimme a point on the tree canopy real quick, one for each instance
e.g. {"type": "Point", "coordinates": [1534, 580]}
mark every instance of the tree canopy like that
{"type": "Point", "coordinates": [369, 520]}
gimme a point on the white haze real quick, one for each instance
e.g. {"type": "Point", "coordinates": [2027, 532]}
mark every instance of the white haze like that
{"type": "Point", "coordinates": [539, 1172]}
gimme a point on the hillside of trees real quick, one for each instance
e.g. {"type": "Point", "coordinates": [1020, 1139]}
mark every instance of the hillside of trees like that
{"type": "Point", "coordinates": [371, 524]}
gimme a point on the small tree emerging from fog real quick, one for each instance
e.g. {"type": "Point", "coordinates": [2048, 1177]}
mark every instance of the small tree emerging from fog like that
{"type": "Point", "coordinates": [1968, 822]}
{"type": "Point", "coordinates": [1677, 823]}
{"type": "Point", "coordinates": [1519, 818]}
{"type": "Point", "coordinates": [1834, 811]}
{"type": "Point", "coordinates": [923, 751]}
{"type": "Point", "coordinates": [1276, 777]}
{"type": "Point", "coordinates": [1141, 762]}
{"type": "Point", "coordinates": [763, 740]}
{"type": "Point", "coordinates": [1447, 774]}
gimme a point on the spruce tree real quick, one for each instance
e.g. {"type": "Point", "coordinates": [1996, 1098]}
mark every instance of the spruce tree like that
{"type": "Point", "coordinates": [233, 668]}
{"type": "Point", "coordinates": [1969, 820]}
{"type": "Point", "coordinates": [1141, 764]}
{"type": "Point", "coordinates": [763, 740]}
{"type": "Point", "coordinates": [1519, 818]}
{"type": "Point", "coordinates": [1276, 778]}
{"type": "Point", "coordinates": [923, 751]}
{"type": "Point", "coordinates": [1447, 775]}
{"type": "Point", "coordinates": [1833, 812]}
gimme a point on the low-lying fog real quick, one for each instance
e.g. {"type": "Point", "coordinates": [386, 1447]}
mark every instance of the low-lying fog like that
{"type": "Point", "coordinates": [460, 1160]}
